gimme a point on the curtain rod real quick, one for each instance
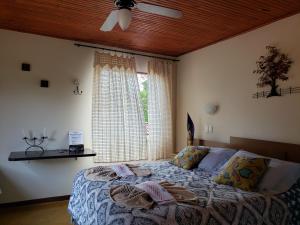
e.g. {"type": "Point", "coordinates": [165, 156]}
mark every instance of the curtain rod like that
{"type": "Point", "coordinates": [132, 53]}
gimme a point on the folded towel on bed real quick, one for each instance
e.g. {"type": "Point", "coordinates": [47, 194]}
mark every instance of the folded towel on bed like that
{"type": "Point", "coordinates": [107, 173]}
{"type": "Point", "coordinates": [100, 173]}
{"type": "Point", "coordinates": [134, 197]}
{"type": "Point", "coordinates": [131, 197]}
{"type": "Point", "coordinates": [181, 194]}
{"type": "Point", "coordinates": [157, 192]}
{"type": "Point", "coordinates": [122, 170]}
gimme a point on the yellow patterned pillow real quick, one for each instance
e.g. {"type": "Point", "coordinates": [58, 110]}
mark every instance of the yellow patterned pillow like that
{"type": "Point", "coordinates": [243, 173]}
{"type": "Point", "coordinates": [189, 157]}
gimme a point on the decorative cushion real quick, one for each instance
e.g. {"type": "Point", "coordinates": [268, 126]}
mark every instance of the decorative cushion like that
{"type": "Point", "coordinates": [216, 158]}
{"type": "Point", "coordinates": [279, 177]}
{"type": "Point", "coordinates": [243, 173]}
{"type": "Point", "coordinates": [189, 157]}
{"type": "Point", "coordinates": [242, 154]}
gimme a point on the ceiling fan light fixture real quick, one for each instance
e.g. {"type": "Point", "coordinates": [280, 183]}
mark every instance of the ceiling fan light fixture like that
{"type": "Point", "coordinates": [124, 18]}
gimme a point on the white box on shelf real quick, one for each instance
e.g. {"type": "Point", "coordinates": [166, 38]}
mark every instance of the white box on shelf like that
{"type": "Point", "coordinates": [75, 138]}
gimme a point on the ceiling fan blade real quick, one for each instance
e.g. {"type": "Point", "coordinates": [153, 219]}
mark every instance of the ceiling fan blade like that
{"type": "Point", "coordinates": [159, 10]}
{"type": "Point", "coordinates": [110, 21]}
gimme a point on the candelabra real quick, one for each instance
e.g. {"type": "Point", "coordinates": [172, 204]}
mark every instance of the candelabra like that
{"type": "Point", "coordinates": [35, 142]}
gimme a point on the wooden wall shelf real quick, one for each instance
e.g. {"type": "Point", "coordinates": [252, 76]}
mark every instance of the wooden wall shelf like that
{"type": "Point", "coordinates": [49, 154]}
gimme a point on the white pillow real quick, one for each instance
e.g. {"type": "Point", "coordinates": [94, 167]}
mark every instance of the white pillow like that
{"type": "Point", "coordinates": [216, 158]}
{"type": "Point", "coordinates": [280, 176]}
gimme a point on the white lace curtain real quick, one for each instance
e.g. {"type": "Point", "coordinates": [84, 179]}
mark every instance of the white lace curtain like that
{"type": "Point", "coordinates": [118, 127]}
{"type": "Point", "coordinates": [160, 109]}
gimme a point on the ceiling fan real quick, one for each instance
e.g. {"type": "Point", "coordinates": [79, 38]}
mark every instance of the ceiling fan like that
{"type": "Point", "coordinates": [123, 14]}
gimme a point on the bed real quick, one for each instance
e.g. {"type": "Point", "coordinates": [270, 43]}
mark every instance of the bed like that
{"type": "Point", "coordinates": [90, 203]}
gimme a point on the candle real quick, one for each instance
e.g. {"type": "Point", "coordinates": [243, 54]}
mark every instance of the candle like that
{"type": "Point", "coordinates": [33, 134]}
{"type": "Point", "coordinates": [23, 133]}
{"type": "Point", "coordinates": [44, 132]}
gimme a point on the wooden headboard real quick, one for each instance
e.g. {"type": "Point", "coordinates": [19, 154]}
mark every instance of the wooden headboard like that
{"type": "Point", "coordinates": [284, 151]}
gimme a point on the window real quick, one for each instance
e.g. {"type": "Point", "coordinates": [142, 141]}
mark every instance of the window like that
{"type": "Point", "coordinates": [118, 127]}
{"type": "Point", "coordinates": [143, 85]}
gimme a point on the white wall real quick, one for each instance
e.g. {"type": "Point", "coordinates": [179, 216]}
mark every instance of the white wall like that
{"type": "Point", "coordinates": [24, 105]}
{"type": "Point", "coordinates": [222, 73]}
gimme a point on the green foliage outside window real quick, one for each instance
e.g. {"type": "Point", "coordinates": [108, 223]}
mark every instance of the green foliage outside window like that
{"type": "Point", "coordinates": [144, 99]}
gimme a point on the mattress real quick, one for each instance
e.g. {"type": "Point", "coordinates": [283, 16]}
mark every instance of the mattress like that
{"type": "Point", "coordinates": [90, 203]}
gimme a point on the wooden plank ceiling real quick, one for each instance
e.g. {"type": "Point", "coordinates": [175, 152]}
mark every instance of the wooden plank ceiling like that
{"type": "Point", "coordinates": [204, 21]}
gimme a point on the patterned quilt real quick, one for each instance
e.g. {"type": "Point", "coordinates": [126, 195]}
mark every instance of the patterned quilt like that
{"type": "Point", "coordinates": [90, 203]}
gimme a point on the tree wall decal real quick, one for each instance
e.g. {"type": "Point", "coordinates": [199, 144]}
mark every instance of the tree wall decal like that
{"type": "Point", "coordinates": [271, 68]}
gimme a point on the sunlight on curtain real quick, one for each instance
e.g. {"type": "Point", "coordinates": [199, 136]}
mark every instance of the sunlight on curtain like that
{"type": "Point", "coordinates": [118, 127]}
{"type": "Point", "coordinates": [160, 107]}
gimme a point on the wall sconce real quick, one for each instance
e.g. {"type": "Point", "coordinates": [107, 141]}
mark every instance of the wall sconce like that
{"type": "Point", "coordinates": [77, 91]}
{"type": "Point", "coordinates": [211, 108]}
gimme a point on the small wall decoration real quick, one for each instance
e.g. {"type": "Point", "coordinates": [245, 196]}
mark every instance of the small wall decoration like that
{"type": "Point", "coordinates": [25, 67]}
{"type": "Point", "coordinates": [190, 130]}
{"type": "Point", "coordinates": [271, 68]}
{"type": "Point", "coordinates": [77, 91]}
{"type": "Point", "coordinates": [44, 83]}
{"type": "Point", "coordinates": [34, 142]}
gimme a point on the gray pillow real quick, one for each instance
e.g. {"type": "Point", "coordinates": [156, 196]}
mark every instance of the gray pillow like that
{"type": "Point", "coordinates": [216, 158]}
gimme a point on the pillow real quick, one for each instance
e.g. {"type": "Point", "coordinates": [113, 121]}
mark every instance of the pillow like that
{"type": "Point", "coordinates": [280, 176]}
{"type": "Point", "coordinates": [189, 157]}
{"type": "Point", "coordinates": [216, 158]}
{"type": "Point", "coordinates": [243, 173]}
{"type": "Point", "coordinates": [241, 153]}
